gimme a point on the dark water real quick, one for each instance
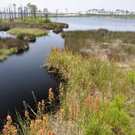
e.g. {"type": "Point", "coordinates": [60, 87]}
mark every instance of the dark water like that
{"type": "Point", "coordinates": [22, 74]}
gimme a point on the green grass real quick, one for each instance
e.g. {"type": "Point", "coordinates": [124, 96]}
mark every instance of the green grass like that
{"type": "Point", "coordinates": [4, 53]}
{"type": "Point", "coordinates": [96, 94]}
{"type": "Point", "coordinates": [28, 31]}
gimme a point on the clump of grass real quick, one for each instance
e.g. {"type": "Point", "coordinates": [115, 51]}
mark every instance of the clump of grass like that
{"type": "Point", "coordinates": [27, 31]}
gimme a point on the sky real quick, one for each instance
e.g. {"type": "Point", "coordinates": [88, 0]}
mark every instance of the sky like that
{"type": "Point", "coordinates": [74, 5]}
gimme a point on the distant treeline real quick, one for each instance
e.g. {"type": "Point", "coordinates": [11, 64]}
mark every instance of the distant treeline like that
{"type": "Point", "coordinates": [30, 10]}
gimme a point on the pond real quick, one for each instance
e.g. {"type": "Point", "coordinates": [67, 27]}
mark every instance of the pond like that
{"type": "Point", "coordinates": [23, 73]}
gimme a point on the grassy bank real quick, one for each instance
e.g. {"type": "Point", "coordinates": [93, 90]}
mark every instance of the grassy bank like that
{"type": "Point", "coordinates": [9, 46]}
{"type": "Point", "coordinates": [114, 46]}
{"type": "Point", "coordinates": [97, 98]}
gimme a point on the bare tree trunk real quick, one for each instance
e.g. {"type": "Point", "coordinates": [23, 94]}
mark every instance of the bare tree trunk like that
{"type": "Point", "coordinates": [0, 15]}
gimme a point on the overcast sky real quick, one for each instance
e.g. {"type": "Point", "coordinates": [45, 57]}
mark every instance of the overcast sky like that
{"type": "Point", "coordinates": [74, 5]}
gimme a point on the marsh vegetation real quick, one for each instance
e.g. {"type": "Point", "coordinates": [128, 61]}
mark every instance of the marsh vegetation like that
{"type": "Point", "coordinates": [25, 30]}
{"type": "Point", "coordinates": [104, 44]}
{"type": "Point", "coordinates": [97, 97]}
{"type": "Point", "coordinates": [9, 46]}
{"type": "Point", "coordinates": [27, 34]}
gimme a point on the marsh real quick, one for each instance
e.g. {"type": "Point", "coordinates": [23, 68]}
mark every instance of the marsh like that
{"type": "Point", "coordinates": [21, 74]}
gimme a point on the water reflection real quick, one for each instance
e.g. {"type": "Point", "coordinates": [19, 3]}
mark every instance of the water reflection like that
{"type": "Point", "coordinates": [21, 74]}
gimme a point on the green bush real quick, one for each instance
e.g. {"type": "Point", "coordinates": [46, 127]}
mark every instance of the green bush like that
{"type": "Point", "coordinates": [112, 119]}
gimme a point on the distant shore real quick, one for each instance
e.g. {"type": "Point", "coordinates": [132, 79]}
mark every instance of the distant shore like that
{"type": "Point", "coordinates": [91, 15]}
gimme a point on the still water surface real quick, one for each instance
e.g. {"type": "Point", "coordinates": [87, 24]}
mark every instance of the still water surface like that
{"type": "Point", "coordinates": [94, 22]}
{"type": "Point", "coordinates": [21, 74]}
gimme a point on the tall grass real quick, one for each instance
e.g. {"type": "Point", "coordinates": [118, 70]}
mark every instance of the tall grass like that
{"type": "Point", "coordinates": [96, 94]}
